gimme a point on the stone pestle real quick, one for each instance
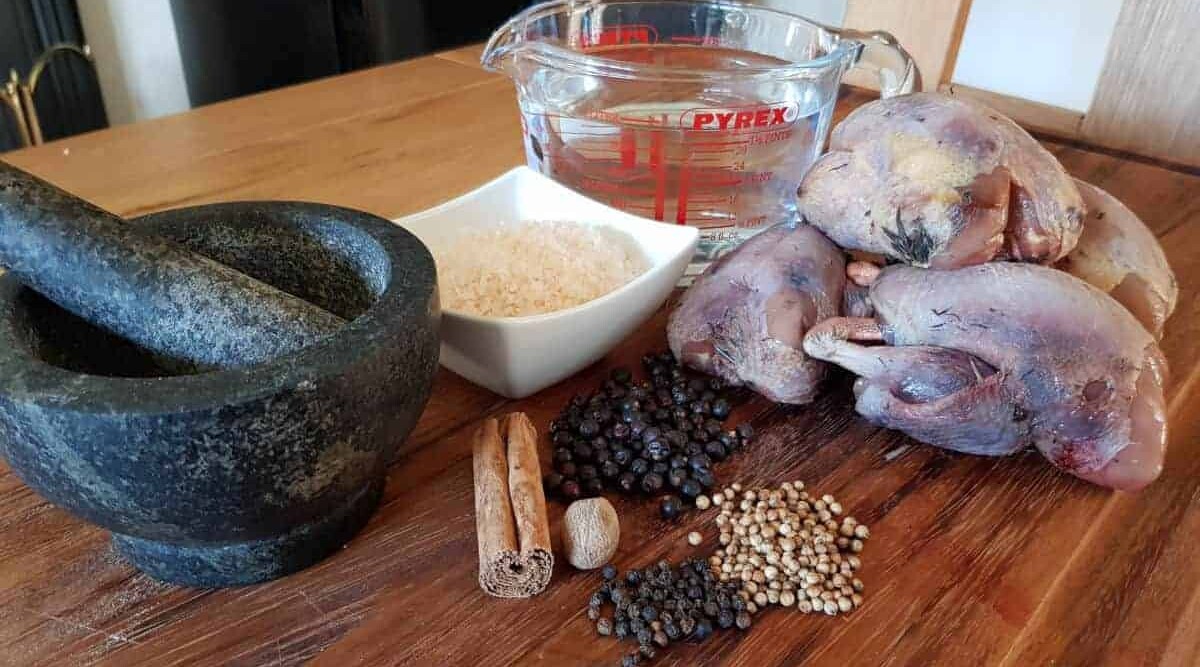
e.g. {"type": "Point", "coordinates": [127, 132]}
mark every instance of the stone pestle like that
{"type": "Point", "coordinates": [182, 306]}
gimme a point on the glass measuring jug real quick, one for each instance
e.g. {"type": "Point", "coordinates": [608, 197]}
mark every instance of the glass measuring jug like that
{"type": "Point", "coordinates": [704, 113]}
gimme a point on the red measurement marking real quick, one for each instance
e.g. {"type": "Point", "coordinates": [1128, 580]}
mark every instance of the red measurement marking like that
{"type": "Point", "coordinates": [658, 166]}
{"type": "Point", "coordinates": [681, 205]}
{"type": "Point", "coordinates": [621, 34]}
{"type": "Point", "coordinates": [696, 39]}
{"type": "Point", "coordinates": [710, 144]}
{"type": "Point", "coordinates": [628, 148]}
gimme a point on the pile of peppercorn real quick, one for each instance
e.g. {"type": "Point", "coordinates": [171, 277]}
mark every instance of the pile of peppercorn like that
{"type": "Point", "coordinates": [665, 603]}
{"type": "Point", "coordinates": [657, 435]}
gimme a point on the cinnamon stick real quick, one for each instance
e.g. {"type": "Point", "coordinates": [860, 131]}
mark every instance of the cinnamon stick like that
{"type": "Point", "coordinates": [515, 557]}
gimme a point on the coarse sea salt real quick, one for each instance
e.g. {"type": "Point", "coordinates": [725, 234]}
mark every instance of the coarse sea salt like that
{"type": "Point", "coordinates": [513, 269]}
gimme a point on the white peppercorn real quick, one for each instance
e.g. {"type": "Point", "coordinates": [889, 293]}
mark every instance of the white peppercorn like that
{"type": "Point", "coordinates": [787, 547]}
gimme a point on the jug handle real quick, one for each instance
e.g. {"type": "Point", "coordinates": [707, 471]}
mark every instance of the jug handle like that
{"type": "Point", "coordinates": [882, 54]}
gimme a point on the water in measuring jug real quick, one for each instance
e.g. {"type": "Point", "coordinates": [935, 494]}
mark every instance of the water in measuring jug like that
{"type": "Point", "coordinates": [724, 159]}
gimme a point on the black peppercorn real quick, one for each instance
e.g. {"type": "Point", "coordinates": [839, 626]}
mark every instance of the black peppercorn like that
{"type": "Point", "coordinates": [593, 613]}
{"type": "Point", "coordinates": [645, 636]}
{"type": "Point", "coordinates": [670, 507]}
{"type": "Point", "coordinates": [713, 428]}
{"type": "Point", "coordinates": [651, 433]}
{"type": "Point", "coordinates": [742, 620]}
{"type": "Point", "coordinates": [631, 660]}
{"type": "Point", "coordinates": [649, 614]}
{"type": "Point", "coordinates": [660, 639]}
{"type": "Point", "coordinates": [582, 452]}
{"type": "Point", "coordinates": [715, 450]}
{"type": "Point", "coordinates": [567, 469]}
{"type": "Point", "coordinates": [587, 471]}
{"type": "Point", "coordinates": [639, 466]}
{"type": "Point", "coordinates": [672, 631]}
{"type": "Point", "coordinates": [570, 490]}
{"type": "Point", "coordinates": [660, 468]}
{"type": "Point", "coordinates": [657, 450]}
{"type": "Point", "coordinates": [562, 455]}
{"type": "Point", "coordinates": [720, 408]}
{"type": "Point", "coordinates": [619, 595]}
{"type": "Point", "coordinates": [604, 627]}
{"type": "Point", "coordinates": [609, 469]}
{"type": "Point", "coordinates": [652, 482]}
{"type": "Point", "coordinates": [690, 488]}
{"type": "Point", "coordinates": [633, 577]}
{"type": "Point", "coordinates": [622, 455]}
{"type": "Point", "coordinates": [704, 478]}
{"type": "Point", "coordinates": [703, 629]}
{"type": "Point", "coordinates": [552, 481]}
{"type": "Point", "coordinates": [711, 609]}
{"type": "Point", "coordinates": [725, 618]}
{"type": "Point", "coordinates": [588, 428]}
{"type": "Point", "coordinates": [699, 462]}
{"type": "Point", "coordinates": [593, 487]}
{"type": "Point", "coordinates": [745, 431]}
{"type": "Point", "coordinates": [620, 431]}
{"type": "Point", "coordinates": [601, 456]}
{"type": "Point", "coordinates": [608, 572]}
{"type": "Point", "coordinates": [676, 477]}
{"type": "Point", "coordinates": [627, 481]}
{"type": "Point", "coordinates": [647, 651]}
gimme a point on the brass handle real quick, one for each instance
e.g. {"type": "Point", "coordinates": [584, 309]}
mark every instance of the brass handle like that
{"type": "Point", "coordinates": [12, 97]}
{"type": "Point", "coordinates": [18, 95]}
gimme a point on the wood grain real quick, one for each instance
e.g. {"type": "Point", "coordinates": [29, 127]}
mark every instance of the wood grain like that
{"type": "Point", "coordinates": [930, 31]}
{"type": "Point", "coordinates": [971, 561]}
{"type": "Point", "coordinates": [1147, 100]}
{"type": "Point", "coordinates": [1034, 116]}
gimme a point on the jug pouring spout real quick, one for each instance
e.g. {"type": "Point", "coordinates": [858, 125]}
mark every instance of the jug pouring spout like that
{"type": "Point", "coordinates": [499, 50]}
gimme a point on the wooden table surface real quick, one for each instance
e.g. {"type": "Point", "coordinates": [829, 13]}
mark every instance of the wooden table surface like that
{"type": "Point", "coordinates": [972, 561]}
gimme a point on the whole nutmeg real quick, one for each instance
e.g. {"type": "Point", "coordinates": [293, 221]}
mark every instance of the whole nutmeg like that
{"type": "Point", "coordinates": [590, 532]}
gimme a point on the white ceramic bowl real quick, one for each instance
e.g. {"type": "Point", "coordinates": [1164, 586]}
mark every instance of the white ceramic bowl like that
{"type": "Point", "coordinates": [518, 356]}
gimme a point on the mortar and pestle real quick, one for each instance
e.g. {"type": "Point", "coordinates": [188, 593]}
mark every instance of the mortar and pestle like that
{"type": "Point", "coordinates": [221, 386]}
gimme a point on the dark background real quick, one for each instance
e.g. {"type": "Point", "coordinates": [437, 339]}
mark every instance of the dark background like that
{"type": "Point", "coordinates": [27, 27]}
{"type": "Point", "coordinates": [236, 47]}
{"type": "Point", "coordinates": [232, 48]}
